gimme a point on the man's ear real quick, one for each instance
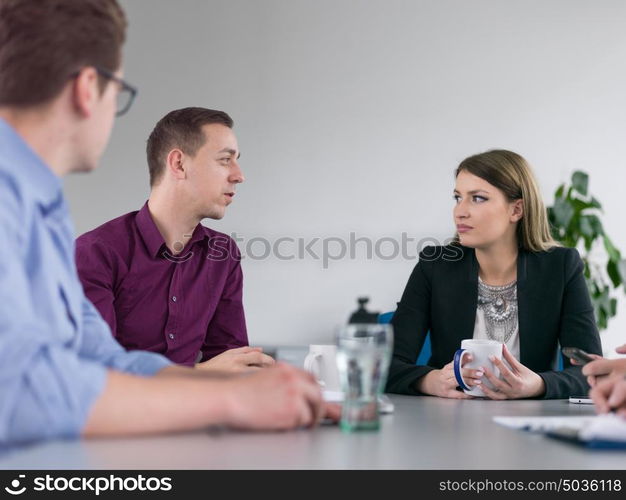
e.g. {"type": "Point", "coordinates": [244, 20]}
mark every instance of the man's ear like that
{"type": "Point", "coordinates": [175, 164]}
{"type": "Point", "coordinates": [86, 91]}
{"type": "Point", "coordinates": [518, 210]}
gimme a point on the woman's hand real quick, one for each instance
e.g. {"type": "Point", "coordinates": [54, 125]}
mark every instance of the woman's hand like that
{"type": "Point", "coordinates": [443, 383]}
{"type": "Point", "coordinates": [517, 382]}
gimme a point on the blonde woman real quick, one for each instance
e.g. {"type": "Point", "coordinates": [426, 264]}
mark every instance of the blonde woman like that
{"type": "Point", "coordinates": [505, 279]}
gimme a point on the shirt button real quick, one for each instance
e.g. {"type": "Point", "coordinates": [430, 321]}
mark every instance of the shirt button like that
{"type": "Point", "coordinates": [171, 335]}
{"type": "Point", "coordinates": [174, 298]}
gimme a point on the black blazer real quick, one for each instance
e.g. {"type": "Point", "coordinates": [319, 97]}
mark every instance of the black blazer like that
{"type": "Point", "coordinates": [441, 297]}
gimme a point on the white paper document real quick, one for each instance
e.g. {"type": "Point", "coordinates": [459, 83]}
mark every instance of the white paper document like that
{"type": "Point", "coordinates": [608, 427]}
{"type": "Point", "coordinates": [605, 427]}
{"type": "Point", "coordinates": [543, 424]}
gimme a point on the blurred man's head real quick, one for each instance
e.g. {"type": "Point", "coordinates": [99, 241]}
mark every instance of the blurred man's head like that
{"type": "Point", "coordinates": [193, 154]}
{"type": "Point", "coordinates": [63, 58]}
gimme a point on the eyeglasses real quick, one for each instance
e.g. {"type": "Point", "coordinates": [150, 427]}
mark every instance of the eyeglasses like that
{"type": "Point", "coordinates": [126, 94]}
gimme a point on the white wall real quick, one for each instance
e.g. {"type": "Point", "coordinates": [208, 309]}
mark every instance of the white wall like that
{"type": "Point", "coordinates": [352, 115]}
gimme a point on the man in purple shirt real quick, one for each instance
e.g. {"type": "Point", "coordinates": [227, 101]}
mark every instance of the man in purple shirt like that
{"type": "Point", "coordinates": [161, 280]}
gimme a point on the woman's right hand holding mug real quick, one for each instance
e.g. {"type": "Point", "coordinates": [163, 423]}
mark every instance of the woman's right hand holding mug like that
{"type": "Point", "coordinates": [443, 383]}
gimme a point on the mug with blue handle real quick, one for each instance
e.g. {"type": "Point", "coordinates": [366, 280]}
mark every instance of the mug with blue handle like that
{"type": "Point", "coordinates": [480, 350]}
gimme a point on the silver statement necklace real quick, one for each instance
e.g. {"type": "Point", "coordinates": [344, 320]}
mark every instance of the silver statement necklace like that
{"type": "Point", "coordinates": [499, 305]}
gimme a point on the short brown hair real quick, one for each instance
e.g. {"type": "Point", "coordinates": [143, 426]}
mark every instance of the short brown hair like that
{"type": "Point", "coordinates": [180, 129]}
{"type": "Point", "coordinates": [511, 174]}
{"type": "Point", "coordinates": [44, 42]}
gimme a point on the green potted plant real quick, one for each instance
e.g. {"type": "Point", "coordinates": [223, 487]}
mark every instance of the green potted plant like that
{"type": "Point", "coordinates": [575, 222]}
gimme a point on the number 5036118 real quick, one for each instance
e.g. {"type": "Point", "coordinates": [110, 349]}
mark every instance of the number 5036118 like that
{"type": "Point", "coordinates": [592, 485]}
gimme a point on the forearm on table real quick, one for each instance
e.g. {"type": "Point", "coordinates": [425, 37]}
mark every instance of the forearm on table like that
{"type": "Point", "coordinates": [561, 384]}
{"type": "Point", "coordinates": [421, 384]}
{"type": "Point", "coordinates": [187, 371]}
{"type": "Point", "coordinates": [143, 405]}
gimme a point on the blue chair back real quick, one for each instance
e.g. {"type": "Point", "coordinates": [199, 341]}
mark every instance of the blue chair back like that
{"type": "Point", "coordinates": [424, 355]}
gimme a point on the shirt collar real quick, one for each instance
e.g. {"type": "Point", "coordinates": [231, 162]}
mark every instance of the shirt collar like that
{"type": "Point", "coordinates": [152, 236]}
{"type": "Point", "coordinates": [24, 165]}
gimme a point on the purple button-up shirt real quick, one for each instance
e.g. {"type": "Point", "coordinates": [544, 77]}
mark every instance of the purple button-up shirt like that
{"type": "Point", "coordinates": [174, 305]}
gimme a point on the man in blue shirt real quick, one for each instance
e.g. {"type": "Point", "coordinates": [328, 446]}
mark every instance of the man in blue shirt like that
{"type": "Point", "coordinates": [62, 373]}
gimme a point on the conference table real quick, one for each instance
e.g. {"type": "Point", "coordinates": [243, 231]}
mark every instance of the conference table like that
{"type": "Point", "coordinates": [423, 432]}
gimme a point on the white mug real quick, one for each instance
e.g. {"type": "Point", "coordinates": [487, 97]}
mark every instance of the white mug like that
{"type": "Point", "coordinates": [480, 350]}
{"type": "Point", "coordinates": [321, 362]}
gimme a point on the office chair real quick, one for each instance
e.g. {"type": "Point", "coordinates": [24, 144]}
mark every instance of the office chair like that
{"type": "Point", "coordinates": [424, 354]}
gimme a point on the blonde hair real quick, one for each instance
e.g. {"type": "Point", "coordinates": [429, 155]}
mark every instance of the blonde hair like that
{"type": "Point", "coordinates": [511, 174]}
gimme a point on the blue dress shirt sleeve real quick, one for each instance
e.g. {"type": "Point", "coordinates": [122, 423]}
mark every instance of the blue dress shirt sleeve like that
{"type": "Point", "coordinates": [99, 345]}
{"type": "Point", "coordinates": [46, 390]}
